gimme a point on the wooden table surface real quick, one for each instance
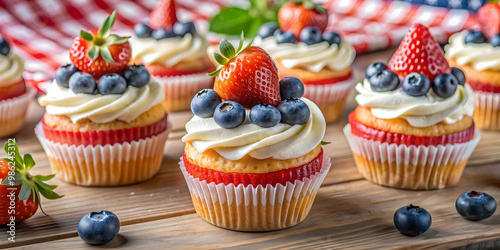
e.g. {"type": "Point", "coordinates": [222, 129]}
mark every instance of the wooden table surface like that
{"type": "Point", "coordinates": [349, 212]}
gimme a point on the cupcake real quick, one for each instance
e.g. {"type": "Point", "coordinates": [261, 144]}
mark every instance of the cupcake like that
{"type": "Point", "coordinates": [14, 93]}
{"type": "Point", "coordinates": [108, 132]}
{"type": "Point", "coordinates": [413, 127]}
{"type": "Point", "coordinates": [301, 48]}
{"type": "Point", "coordinates": [253, 162]}
{"type": "Point", "coordinates": [175, 55]}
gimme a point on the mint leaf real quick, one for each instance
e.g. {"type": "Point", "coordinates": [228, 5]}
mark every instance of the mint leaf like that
{"type": "Point", "coordinates": [231, 21]}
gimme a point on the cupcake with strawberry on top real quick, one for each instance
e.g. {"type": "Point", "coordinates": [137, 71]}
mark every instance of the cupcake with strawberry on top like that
{"type": "Point", "coordinates": [302, 48]}
{"type": "Point", "coordinates": [175, 55]}
{"type": "Point", "coordinates": [253, 159]}
{"type": "Point", "coordinates": [104, 124]}
{"type": "Point", "coordinates": [413, 128]}
{"type": "Point", "coordinates": [15, 94]}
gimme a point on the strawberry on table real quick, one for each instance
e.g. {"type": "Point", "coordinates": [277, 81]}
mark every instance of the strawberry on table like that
{"type": "Point", "coordinates": [297, 14]}
{"type": "Point", "coordinates": [247, 76]}
{"type": "Point", "coordinates": [489, 18]}
{"type": "Point", "coordinates": [21, 191]}
{"type": "Point", "coordinates": [163, 15]}
{"type": "Point", "coordinates": [419, 52]}
{"type": "Point", "coordinates": [98, 52]}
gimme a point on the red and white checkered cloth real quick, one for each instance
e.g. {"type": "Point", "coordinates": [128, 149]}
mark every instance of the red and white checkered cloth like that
{"type": "Point", "coordinates": [41, 31]}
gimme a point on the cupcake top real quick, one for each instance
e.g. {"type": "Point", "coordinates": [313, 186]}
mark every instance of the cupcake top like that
{"type": "Point", "coordinates": [430, 91]}
{"type": "Point", "coordinates": [11, 65]}
{"type": "Point", "coordinates": [166, 41]}
{"type": "Point", "coordinates": [99, 85]}
{"type": "Point", "coordinates": [253, 113]}
{"type": "Point", "coordinates": [471, 48]}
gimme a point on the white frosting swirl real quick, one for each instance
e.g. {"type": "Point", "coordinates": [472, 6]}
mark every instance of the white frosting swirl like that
{"type": "Point", "coordinates": [481, 56]}
{"type": "Point", "coordinates": [311, 57]}
{"type": "Point", "coordinates": [280, 142]}
{"type": "Point", "coordinates": [421, 111]}
{"type": "Point", "coordinates": [11, 69]}
{"type": "Point", "coordinates": [101, 108]}
{"type": "Point", "coordinates": [170, 51]}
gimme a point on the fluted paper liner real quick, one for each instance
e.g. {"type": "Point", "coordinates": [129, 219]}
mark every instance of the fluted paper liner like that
{"type": "Point", "coordinates": [108, 165]}
{"type": "Point", "coordinates": [410, 167]}
{"type": "Point", "coordinates": [487, 110]}
{"type": "Point", "coordinates": [13, 112]}
{"type": "Point", "coordinates": [180, 90]}
{"type": "Point", "coordinates": [255, 208]}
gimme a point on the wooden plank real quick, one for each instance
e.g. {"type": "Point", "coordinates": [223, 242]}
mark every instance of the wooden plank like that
{"type": "Point", "coordinates": [352, 215]}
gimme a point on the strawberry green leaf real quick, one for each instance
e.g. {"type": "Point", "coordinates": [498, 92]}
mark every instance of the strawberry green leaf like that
{"type": "Point", "coordinates": [106, 54]}
{"type": "Point", "coordinates": [17, 180]}
{"type": "Point", "coordinates": [43, 178]}
{"type": "Point", "coordinates": [106, 27]}
{"type": "Point", "coordinates": [227, 49]}
{"type": "Point", "coordinates": [216, 72]}
{"type": "Point", "coordinates": [325, 142]}
{"type": "Point", "coordinates": [28, 162]}
{"type": "Point", "coordinates": [25, 191]}
{"type": "Point", "coordinates": [246, 47]}
{"type": "Point", "coordinates": [93, 52]}
{"type": "Point", "coordinates": [15, 157]}
{"type": "Point", "coordinates": [86, 36]}
{"type": "Point", "coordinates": [309, 5]}
{"type": "Point", "coordinates": [221, 60]}
{"type": "Point", "coordinates": [46, 191]}
{"type": "Point", "coordinates": [242, 39]}
{"type": "Point", "coordinates": [114, 39]}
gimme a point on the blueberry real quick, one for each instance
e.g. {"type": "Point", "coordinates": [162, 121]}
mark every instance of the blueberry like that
{"type": "Point", "coordinates": [310, 35]}
{"type": "Point", "coordinates": [112, 84]}
{"type": "Point", "coordinates": [384, 80]}
{"type": "Point", "coordinates": [284, 36]}
{"type": "Point", "coordinates": [474, 36]}
{"type": "Point", "coordinates": [136, 75]}
{"type": "Point", "coordinates": [181, 29]}
{"type": "Point", "coordinates": [229, 114]}
{"type": "Point", "coordinates": [82, 83]}
{"type": "Point", "coordinates": [475, 205]}
{"type": "Point", "coordinates": [266, 30]}
{"type": "Point", "coordinates": [294, 111]}
{"type": "Point", "coordinates": [291, 87]}
{"type": "Point", "coordinates": [98, 228]}
{"type": "Point", "coordinates": [264, 115]}
{"type": "Point", "coordinates": [162, 34]}
{"type": "Point", "coordinates": [63, 74]}
{"type": "Point", "coordinates": [142, 30]}
{"type": "Point", "coordinates": [459, 74]}
{"type": "Point", "coordinates": [495, 40]}
{"type": "Point", "coordinates": [445, 85]}
{"type": "Point", "coordinates": [4, 46]}
{"type": "Point", "coordinates": [416, 84]}
{"type": "Point", "coordinates": [412, 220]}
{"type": "Point", "coordinates": [332, 38]}
{"type": "Point", "coordinates": [374, 68]}
{"type": "Point", "coordinates": [204, 103]}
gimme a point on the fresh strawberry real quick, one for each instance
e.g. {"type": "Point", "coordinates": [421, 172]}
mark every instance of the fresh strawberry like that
{"type": "Point", "coordinates": [19, 190]}
{"type": "Point", "coordinates": [298, 14]}
{"type": "Point", "coordinates": [163, 15]}
{"type": "Point", "coordinates": [419, 52]}
{"type": "Point", "coordinates": [247, 76]}
{"type": "Point", "coordinates": [99, 53]}
{"type": "Point", "coordinates": [489, 18]}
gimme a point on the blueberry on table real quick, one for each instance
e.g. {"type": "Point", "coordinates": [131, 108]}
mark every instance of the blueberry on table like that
{"type": "Point", "coordinates": [475, 205]}
{"type": "Point", "coordinates": [332, 38]}
{"type": "Point", "coordinates": [445, 85]}
{"type": "Point", "coordinates": [98, 228]}
{"type": "Point", "coordinates": [162, 34]}
{"type": "Point", "coordinates": [264, 115]}
{"type": "Point", "coordinates": [310, 35]}
{"type": "Point", "coordinates": [412, 220]}
{"type": "Point", "coordinates": [284, 36]}
{"type": "Point", "coordinates": [4, 46]}
{"type": "Point", "coordinates": [182, 29]}
{"type": "Point", "coordinates": [459, 74]}
{"type": "Point", "coordinates": [374, 68]}
{"type": "Point", "coordinates": [416, 84]}
{"type": "Point", "coordinates": [384, 80]}
{"type": "Point", "coordinates": [112, 84]}
{"type": "Point", "coordinates": [495, 40]}
{"type": "Point", "coordinates": [63, 74]}
{"type": "Point", "coordinates": [229, 114]}
{"type": "Point", "coordinates": [142, 30]}
{"type": "Point", "coordinates": [266, 30]}
{"type": "Point", "coordinates": [294, 111]}
{"type": "Point", "coordinates": [136, 75]}
{"type": "Point", "coordinates": [204, 103]}
{"type": "Point", "coordinates": [82, 83]}
{"type": "Point", "coordinates": [474, 36]}
{"type": "Point", "coordinates": [291, 87]}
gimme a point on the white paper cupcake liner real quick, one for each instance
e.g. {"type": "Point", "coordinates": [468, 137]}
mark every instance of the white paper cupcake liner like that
{"type": "Point", "coordinates": [487, 111]}
{"type": "Point", "coordinates": [109, 165]}
{"type": "Point", "coordinates": [255, 208]}
{"type": "Point", "coordinates": [13, 112]}
{"type": "Point", "coordinates": [329, 93]}
{"type": "Point", "coordinates": [179, 90]}
{"type": "Point", "coordinates": [410, 167]}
